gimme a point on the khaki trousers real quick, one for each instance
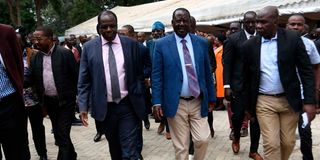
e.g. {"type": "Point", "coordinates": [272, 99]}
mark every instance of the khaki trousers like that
{"type": "Point", "coordinates": [278, 123]}
{"type": "Point", "coordinates": [188, 119]}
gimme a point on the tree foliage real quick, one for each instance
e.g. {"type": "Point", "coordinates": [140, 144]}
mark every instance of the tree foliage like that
{"type": "Point", "coordinates": [58, 14]}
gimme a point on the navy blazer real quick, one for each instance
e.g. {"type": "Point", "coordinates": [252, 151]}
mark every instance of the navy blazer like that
{"type": "Point", "coordinates": [167, 75]}
{"type": "Point", "coordinates": [92, 91]}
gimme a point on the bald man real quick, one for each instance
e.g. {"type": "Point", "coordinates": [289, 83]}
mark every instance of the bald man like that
{"type": "Point", "coordinates": [271, 61]}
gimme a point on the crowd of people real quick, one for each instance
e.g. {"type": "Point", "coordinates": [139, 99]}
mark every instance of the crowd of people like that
{"type": "Point", "coordinates": [266, 77]}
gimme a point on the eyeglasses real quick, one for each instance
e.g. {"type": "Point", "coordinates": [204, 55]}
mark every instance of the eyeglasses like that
{"type": "Point", "coordinates": [38, 38]}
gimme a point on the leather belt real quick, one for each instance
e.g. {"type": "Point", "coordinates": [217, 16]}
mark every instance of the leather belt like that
{"type": "Point", "coordinates": [187, 98]}
{"type": "Point", "coordinates": [273, 95]}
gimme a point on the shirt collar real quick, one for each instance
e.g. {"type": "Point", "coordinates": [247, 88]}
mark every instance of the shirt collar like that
{"type": "Point", "coordinates": [248, 34]}
{"type": "Point", "coordinates": [116, 40]}
{"type": "Point", "coordinates": [268, 40]}
{"type": "Point", "coordinates": [50, 51]}
{"type": "Point", "coordinates": [187, 38]}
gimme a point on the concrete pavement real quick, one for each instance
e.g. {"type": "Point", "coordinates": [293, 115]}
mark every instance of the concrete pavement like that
{"type": "Point", "coordinates": [156, 147]}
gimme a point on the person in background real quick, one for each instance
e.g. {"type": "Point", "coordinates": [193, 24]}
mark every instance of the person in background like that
{"type": "Point", "coordinates": [297, 22]}
{"type": "Point", "coordinates": [82, 39]}
{"type": "Point", "coordinates": [141, 37]}
{"type": "Point", "coordinates": [158, 30]}
{"type": "Point", "coordinates": [34, 110]}
{"type": "Point", "coordinates": [234, 88]}
{"type": "Point", "coordinates": [54, 73]}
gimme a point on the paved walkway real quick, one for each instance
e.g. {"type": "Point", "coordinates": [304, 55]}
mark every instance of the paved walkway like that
{"type": "Point", "coordinates": [156, 147]}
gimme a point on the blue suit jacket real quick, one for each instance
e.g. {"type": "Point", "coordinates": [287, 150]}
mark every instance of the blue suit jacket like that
{"type": "Point", "coordinates": [92, 91]}
{"type": "Point", "coordinates": [167, 74]}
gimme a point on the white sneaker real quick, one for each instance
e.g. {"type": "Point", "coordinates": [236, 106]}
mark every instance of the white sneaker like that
{"type": "Point", "coordinates": [190, 157]}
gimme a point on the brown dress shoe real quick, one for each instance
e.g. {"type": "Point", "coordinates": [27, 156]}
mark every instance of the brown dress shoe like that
{"type": "Point", "coordinates": [168, 136]}
{"type": "Point", "coordinates": [161, 128]}
{"type": "Point", "coordinates": [255, 156]}
{"type": "Point", "coordinates": [235, 146]}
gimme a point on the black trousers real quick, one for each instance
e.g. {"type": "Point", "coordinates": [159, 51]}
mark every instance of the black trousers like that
{"type": "Point", "coordinates": [122, 127]}
{"type": "Point", "coordinates": [99, 126]}
{"type": "Point", "coordinates": [61, 117]}
{"type": "Point", "coordinates": [35, 115]}
{"type": "Point", "coordinates": [238, 108]}
{"type": "Point", "coordinates": [13, 128]}
{"type": "Point", "coordinates": [305, 140]}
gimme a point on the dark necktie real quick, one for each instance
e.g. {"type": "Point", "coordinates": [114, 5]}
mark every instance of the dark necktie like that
{"type": "Point", "coordinates": [251, 36]}
{"type": "Point", "coordinates": [115, 88]}
{"type": "Point", "coordinates": [192, 77]}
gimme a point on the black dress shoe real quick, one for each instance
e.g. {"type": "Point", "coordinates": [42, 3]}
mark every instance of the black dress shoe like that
{"type": "Point", "coordinates": [44, 157]}
{"type": "Point", "coordinates": [97, 138]}
{"type": "Point", "coordinates": [147, 124]}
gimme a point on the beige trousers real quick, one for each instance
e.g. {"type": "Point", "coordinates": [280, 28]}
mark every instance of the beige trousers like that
{"type": "Point", "coordinates": [188, 119]}
{"type": "Point", "coordinates": [278, 123]}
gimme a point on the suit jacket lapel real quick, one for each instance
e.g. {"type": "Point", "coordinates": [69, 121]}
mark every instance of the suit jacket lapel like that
{"type": "Point", "coordinates": [196, 48]}
{"type": "Point", "coordinates": [98, 51]}
{"type": "Point", "coordinates": [257, 54]}
{"type": "Point", "coordinates": [175, 54]}
{"type": "Point", "coordinates": [280, 45]}
{"type": "Point", "coordinates": [125, 50]}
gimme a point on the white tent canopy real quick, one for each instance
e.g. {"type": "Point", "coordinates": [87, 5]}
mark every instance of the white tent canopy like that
{"type": "Point", "coordinates": [206, 12]}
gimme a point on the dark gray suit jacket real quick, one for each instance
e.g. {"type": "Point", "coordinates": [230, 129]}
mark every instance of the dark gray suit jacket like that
{"type": "Point", "coordinates": [92, 89]}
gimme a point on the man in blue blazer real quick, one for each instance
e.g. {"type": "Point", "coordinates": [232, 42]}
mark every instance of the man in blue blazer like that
{"type": "Point", "coordinates": [111, 82]}
{"type": "Point", "coordinates": [182, 86]}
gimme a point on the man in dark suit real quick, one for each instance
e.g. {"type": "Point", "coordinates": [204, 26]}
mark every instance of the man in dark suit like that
{"type": "Point", "coordinates": [182, 86]}
{"type": "Point", "coordinates": [111, 82]}
{"type": "Point", "coordinates": [53, 71]}
{"type": "Point", "coordinates": [13, 124]}
{"type": "Point", "coordinates": [233, 84]}
{"type": "Point", "coordinates": [271, 62]}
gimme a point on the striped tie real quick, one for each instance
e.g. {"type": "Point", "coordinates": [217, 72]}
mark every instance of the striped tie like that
{"type": "Point", "coordinates": [192, 77]}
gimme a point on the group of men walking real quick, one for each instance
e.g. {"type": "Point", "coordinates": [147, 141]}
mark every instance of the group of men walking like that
{"type": "Point", "coordinates": [265, 70]}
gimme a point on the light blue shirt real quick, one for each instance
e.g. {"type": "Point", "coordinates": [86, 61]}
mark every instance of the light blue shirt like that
{"type": "Point", "coordinates": [185, 85]}
{"type": "Point", "coordinates": [269, 72]}
{"type": "Point", "coordinates": [6, 88]}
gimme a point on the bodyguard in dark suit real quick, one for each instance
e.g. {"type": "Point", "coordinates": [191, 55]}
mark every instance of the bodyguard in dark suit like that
{"type": "Point", "coordinates": [111, 76]}
{"type": "Point", "coordinates": [182, 86]}
{"type": "Point", "coordinates": [233, 83]}
{"type": "Point", "coordinates": [54, 73]}
{"type": "Point", "coordinates": [13, 124]}
{"type": "Point", "coordinates": [271, 62]}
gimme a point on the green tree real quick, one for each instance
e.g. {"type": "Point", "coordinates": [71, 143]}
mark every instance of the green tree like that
{"type": "Point", "coordinates": [25, 16]}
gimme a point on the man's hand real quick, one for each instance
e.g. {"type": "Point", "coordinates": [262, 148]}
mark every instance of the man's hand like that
{"type": "Point", "coordinates": [84, 118]}
{"type": "Point", "coordinates": [147, 83]}
{"type": "Point", "coordinates": [157, 112]}
{"type": "Point", "coordinates": [310, 109]}
{"type": "Point", "coordinates": [228, 94]}
{"type": "Point", "coordinates": [211, 106]}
